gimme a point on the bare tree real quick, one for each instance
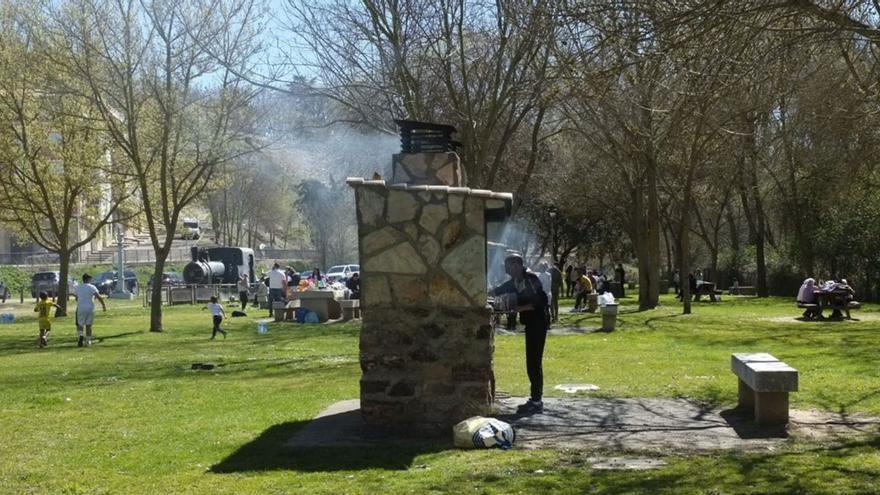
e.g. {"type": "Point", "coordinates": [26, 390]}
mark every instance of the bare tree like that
{"type": "Point", "coordinates": [484, 67]}
{"type": "Point", "coordinates": [174, 113]}
{"type": "Point", "coordinates": [59, 188]}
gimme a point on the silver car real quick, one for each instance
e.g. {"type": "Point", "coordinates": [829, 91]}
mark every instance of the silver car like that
{"type": "Point", "coordinates": [48, 282]}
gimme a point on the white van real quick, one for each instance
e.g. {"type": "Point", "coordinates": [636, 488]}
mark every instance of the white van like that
{"type": "Point", "coordinates": [191, 229]}
{"type": "Point", "coordinates": [342, 272]}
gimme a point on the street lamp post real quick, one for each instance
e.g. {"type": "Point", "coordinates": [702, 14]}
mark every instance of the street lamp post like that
{"type": "Point", "coordinates": [121, 291]}
{"type": "Point", "coordinates": [553, 246]}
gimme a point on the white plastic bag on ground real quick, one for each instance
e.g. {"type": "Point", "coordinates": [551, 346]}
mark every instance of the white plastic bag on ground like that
{"type": "Point", "coordinates": [478, 432]}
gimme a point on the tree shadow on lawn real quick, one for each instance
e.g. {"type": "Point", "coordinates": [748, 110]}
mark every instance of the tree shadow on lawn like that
{"type": "Point", "coordinates": [271, 452]}
{"type": "Point", "coordinates": [64, 342]}
{"type": "Point", "coordinates": [134, 370]}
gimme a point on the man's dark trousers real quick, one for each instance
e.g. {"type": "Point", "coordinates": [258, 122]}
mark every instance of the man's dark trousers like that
{"type": "Point", "coordinates": [536, 335]}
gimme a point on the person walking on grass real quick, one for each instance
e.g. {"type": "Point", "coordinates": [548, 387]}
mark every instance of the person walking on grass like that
{"type": "Point", "coordinates": [217, 314]}
{"type": "Point", "coordinates": [244, 287]}
{"type": "Point", "coordinates": [85, 309]}
{"type": "Point", "coordinates": [44, 317]}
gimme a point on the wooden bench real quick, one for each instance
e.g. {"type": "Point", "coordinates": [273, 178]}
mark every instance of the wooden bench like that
{"type": "Point", "coordinates": [351, 308]}
{"type": "Point", "coordinates": [743, 290]}
{"type": "Point", "coordinates": [706, 289]}
{"type": "Point", "coordinates": [815, 310]}
{"type": "Point", "coordinates": [764, 384]}
{"type": "Point", "coordinates": [846, 307]}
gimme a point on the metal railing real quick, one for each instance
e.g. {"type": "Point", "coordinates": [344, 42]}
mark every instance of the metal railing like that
{"type": "Point", "coordinates": [193, 293]}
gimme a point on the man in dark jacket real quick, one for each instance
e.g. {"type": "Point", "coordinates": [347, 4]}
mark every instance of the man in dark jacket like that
{"type": "Point", "coordinates": [531, 302]}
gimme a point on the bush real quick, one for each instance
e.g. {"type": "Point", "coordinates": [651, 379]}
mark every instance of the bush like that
{"type": "Point", "coordinates": [15, 278]}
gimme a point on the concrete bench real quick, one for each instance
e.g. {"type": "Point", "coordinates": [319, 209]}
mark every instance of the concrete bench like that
{"type": "Point", "coordinates": [351, 308]}
{"type": "Point", "coordinates": [282, 312]}
{"type": "Point", "coordinates": [743, 290]}
{"type": "Point", "coordinates": [764, 384]}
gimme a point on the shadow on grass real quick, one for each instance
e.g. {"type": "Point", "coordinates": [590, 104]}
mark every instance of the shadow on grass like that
{"type": "Point", "coordinates": [57, 341]}
{"type": "Point", "coordinates": [651, 322]}
{"type": "Point", "coordinates": [271, 452]}
{"type": "Point", "coordinates": [744, 425]}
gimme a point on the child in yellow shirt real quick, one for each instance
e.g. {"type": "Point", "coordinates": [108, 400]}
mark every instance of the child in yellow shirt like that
{"type": "Point", "coordinates": [44, 317]}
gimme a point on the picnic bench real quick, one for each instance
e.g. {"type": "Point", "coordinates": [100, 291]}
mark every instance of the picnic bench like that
{"type": "Point", "coordinates": [284, 311]}
{"type": "Point", "coordinates": [835, 300]}
{"type": "Point", "coordinates": [764, 384]}
{"type": "Point", "coordinates": [743, 290]}
{"type": "Point", "coordinates": [707, 289]}
{"type": "Point", "coordinates": [351, 308]}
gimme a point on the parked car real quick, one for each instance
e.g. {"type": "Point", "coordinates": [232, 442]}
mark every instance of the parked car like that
{"type": "Point", "coordinates": [169, 279]}
{"type": "Point", "coordinates": [342, 272]}
{"type": "Point", "coordinates": [191, 229]}
{"type": "Point", "coordinates": [48, 282]}
{"type": "Point", "coordinates": [106, 282]}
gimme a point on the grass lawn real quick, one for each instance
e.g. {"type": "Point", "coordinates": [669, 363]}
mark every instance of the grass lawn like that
{"type": "Point", "coordinates": [128, 415]}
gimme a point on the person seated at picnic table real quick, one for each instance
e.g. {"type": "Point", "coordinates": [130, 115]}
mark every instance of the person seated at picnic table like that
{"type": "Point", "coordinates": [807, 295]}
{"type": "Point", "coordinates": [354, 286]}
{"type": "Point", "coordinates": [841, 295]}
{"type": "Point", "coordinates": [293, 277]}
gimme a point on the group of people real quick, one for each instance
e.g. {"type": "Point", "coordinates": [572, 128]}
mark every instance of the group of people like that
{"type": "Point", "coordinates": [600, 282]}
{"type": "Point", "coordinates": [86, 293]}
{"type": "Point", "coordinates": [695, 279]}
{"type": "Point", "coordinates": [840, 294]}
{"type": "Point", "coordinates": [583, 282]}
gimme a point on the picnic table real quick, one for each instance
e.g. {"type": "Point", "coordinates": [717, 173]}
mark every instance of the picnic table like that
{"type": "Point", "coordinates": [705, 289]}
{"type": "Point", "coordinates": [837, 300]}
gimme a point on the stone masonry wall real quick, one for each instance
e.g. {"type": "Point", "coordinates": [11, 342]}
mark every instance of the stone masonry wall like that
{"type": "Point", "coordinates": [426, 346]}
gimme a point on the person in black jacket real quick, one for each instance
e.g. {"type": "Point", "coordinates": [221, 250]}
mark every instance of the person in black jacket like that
{"type": "Point", "coordinates": [532, 304]}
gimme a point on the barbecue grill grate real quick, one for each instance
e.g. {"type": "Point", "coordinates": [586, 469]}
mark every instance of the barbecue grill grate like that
{"type": "Point", "coordinates": [426, 137]}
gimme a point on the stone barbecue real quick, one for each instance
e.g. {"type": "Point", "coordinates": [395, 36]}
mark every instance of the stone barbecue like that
{"type": "Point", "coordinates": [426, 345]}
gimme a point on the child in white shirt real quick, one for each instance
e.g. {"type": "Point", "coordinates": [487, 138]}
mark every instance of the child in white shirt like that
{"type": "Point", "coordinates": [218, 315]}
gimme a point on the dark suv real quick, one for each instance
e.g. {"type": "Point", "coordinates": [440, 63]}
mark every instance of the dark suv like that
{"type": "Point", "coordinates": [106, 282]}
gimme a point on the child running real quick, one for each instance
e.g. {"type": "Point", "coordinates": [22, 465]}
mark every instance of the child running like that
{"type": "Point", "coordinates": [218, 314]}
{"type": "Point", "coordinates": [44, 317]}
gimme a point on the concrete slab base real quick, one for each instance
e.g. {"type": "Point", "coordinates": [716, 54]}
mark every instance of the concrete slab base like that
{"type": "Point", "coordinates": [657, 425]}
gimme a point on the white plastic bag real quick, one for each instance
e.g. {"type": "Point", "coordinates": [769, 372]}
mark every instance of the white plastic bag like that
{"type": "Point", "coordinates": [606, 298]}
{"type": "Point", "coordinates": [478, 432]}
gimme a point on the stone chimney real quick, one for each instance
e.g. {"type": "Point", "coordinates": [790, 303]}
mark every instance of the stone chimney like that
{"type": "Point", "coordinates": [426, 345]}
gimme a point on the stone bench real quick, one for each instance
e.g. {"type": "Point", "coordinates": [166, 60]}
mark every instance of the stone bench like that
{"type": "Point", "coordinates": [351, 308]}
{"type": "Point", "coordinates": [743, 290]}
{"type": "Point", "coordinates": [764, 384]}
{"type": "Point", "coordinates": [282, 311]}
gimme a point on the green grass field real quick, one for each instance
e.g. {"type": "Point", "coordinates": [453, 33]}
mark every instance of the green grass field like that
{"type": "Point", "coordinates": [128, 415]}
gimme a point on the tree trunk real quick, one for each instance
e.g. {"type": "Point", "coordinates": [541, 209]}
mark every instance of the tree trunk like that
{"type": "Point", "coordinates": [684, 264]}
{"type": "Point", "coordinates": [63, 291]}
{"type": "Point", "coordinates": [652, 240]}
{"type": "Point", "coordinates": [760, 233]}
{"type": "Point", "coordinates": [669, 256]}
{"type": "Point", "coordinates": [684, 245]}
{"type": "Point", "coordinates": [760, 260]}
{"type": "Point", "coordinates": [156, 303]}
